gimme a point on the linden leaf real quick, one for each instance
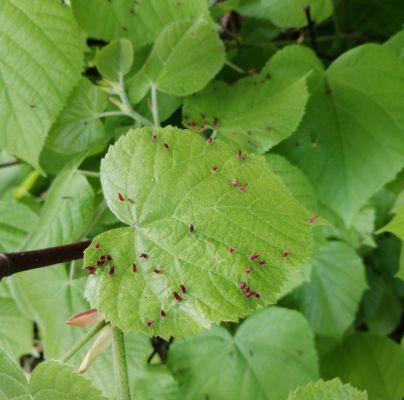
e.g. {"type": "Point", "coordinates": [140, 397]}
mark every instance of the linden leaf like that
{"type": "Point", "coordinates": [41, 61]}
{"type": "Point", "coordinates": [249, 365]}
{"type": "Point", "coordinates": [327, 390]}
{"type": "Point", "coordinates": [254, 113]}
{"type": "Point", "coordinates": [198, 215]}
{"type": "Point", "coordinates": [185, 57]}
{"type": "Point", "coordinates": [350, 142]}
{"type": "Point", "coordinates": [50, 380]}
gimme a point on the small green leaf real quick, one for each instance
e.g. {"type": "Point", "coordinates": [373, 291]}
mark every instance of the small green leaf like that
{"type": "Point", "coordinates": [329, 390]}
{"type": "Point", "coordinates": [370, 363]}
{"type": "Point", "coordinates": [78, 128]}
{"type": "Point", "coordinates": [254, 113]}
{"type": "Point", "coordinates": [185, 57]}
{"type": "Point", "coordinates": [396, 225]}
{"type": "Point", "coordinates": [396, 43]}
{"type": "Point", "coordinates": [331, 299]}
{"type": "Point", "coordinates": [115, 59]}
{"type": "Point", "coordinates": [40, 49]}
{"type": "Point", "coordinates": [350, 142]}
{"type": "Point", "coordinates": [50, 380]}
{"type": "Point", "coordinates": [176, 193]}
{"type": "Point", "coordinates": [290, 13]}
{"type": "Point", "coordinates": [250, 365]}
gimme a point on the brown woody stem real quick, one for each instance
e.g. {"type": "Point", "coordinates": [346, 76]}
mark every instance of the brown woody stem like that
{"type": "Point", "coordinates": [11, 263]}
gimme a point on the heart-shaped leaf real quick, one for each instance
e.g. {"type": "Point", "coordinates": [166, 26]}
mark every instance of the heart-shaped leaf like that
{"type": "Point", "coordinates": [185, 57]}
{"type": "Point", "coordinates": [350, 142]}
{"type": "Point", "coordinates": [249, 365]}
{"type": "Point", "coordinates": [203, 221]}
{"type": "Point", "coordinates": [254, 113]}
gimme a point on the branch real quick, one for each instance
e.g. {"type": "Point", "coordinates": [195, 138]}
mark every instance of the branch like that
{"type": "Point", "coordinates": [9, 164]}
{"type": "Point", "coordinates": [11, 263]}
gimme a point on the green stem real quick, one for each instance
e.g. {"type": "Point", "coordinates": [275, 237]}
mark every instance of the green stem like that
{"type": "Point", "coordinates": [235, 67]}
{"type": "Point", "coordinates": [27, 185]}
{"type": "Point", "coordinates": [83, 341]}
{"type": "Point", "coordinates": [154, 105]}
{"type": "Point", "coordinates": [106, 114]}
{"type": "Point", "coordinates": [120, 365]}
{"type": "Point", "coordinates": [90, 174]}
{"type": "Point", "coordinates": [125, 101]}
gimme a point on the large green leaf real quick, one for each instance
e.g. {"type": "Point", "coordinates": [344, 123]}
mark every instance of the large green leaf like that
{"type": "Point", "coordinates": [50, 380]}
{"type": "Point", "coordinates": [351, 140]}
{"type": "Point", "coordinates": [255, 113]}
{"type": "Point", "coordinates": [327, 390]}
{"type": "Point", "coordinates": [78, 128]}
{"type": "Point", "coordinates": [40, 50]}
{"type": "Point", "coordinates": [141, 21]}
{"type": "Point", "coordinates": [185, 57]}
{"type": "Point", "coordinates": [178, 198]}
{"type": "Point", "coordinates": [370, 363]}
{"type": "Point", "coordinates": [331, 299]}
{"type": "Point", "coordinates": [291, 14]}
{"type": "Point", "coordinates": [49, 295]}
{"type": "Point", "coordinates": [250, 365]}
{"type": "Point", "coordinates": [16, 221]}
{"type": "Point", "coordinates": [16, 330]}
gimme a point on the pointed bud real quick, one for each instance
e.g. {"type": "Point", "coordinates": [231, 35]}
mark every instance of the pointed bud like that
{"type": "Point", "coordinates": [85, 319]}
{"type": "Point", "coordinates": [100, 344]}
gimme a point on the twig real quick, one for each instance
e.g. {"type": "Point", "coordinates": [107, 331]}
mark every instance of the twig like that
{"type": "Point", "coordinates": [154, 105]}
{"type": "Point", "coordinates": [312, 29]}
{"type": "Point", "coordinates": [12, 263]}
{"type": "Point", "coordinates": [83, 341]}
{"type": "Point", "coordinates": [9, 164]}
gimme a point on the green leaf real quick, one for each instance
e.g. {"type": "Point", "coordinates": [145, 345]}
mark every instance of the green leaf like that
{"type": "Point", "coordinates": [13, 383]}
{"type": "Point", "coordinates": [185, 57]}
{"type": "Point", "coordinates": [331, 299]}
{"type": "Point", "coordinates": [396, 225]}
{"type": "Point", "coordinates": [40, 49]}
{"type": "Point", "coordinates": [49, 380]}
{"type": "Point", "coordinates": [15, 329]}
{"type": "Point", "coordinates": [381, 306]}
{"type": "Point", "coordinates": [370, 363]}
{"type": "Point", "coordinates": [294, 180]}
{"type": "Point", "coordinates": [329, 390]}
{"type": "Point", "coordinates": [352, 133]}
{"type": "Point", "coordinates": [78, 128]}
{"type": "Point", "coordinates": [140, 21]}
{"type": "Point", "coordinates": [50, 295]}
{"type": "Point", "coordinates": [114, 60]}
{"type": "Point", "coordinates": [396, 43]}
{"type": "Point", "coordinates": [290, 13]}
{"type": "Point", "coordinates": [250, 365]}
{"type": "Point", "coordinates": [167, 188]}
{"type": "Point", "coordinates": [16, 222]}
{"type": "Point", "coordinates": [255, 113]}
